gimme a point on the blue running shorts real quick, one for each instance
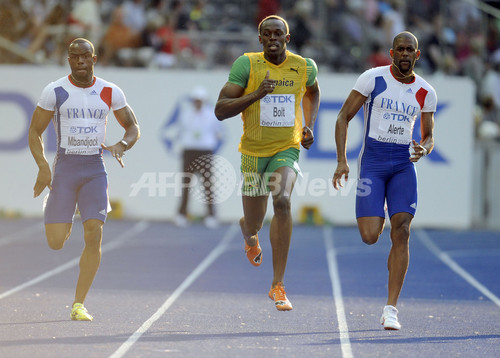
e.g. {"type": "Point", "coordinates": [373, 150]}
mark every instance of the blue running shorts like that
{"type": "Point", "coordinates": [78, 180]}
{"type": "Point", "coordinates": [380, 181]}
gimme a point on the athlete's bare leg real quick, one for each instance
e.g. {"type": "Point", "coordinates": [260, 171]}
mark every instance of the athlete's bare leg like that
{"type": "Point", "coordinates": [399, 257]}
{"type": "Point", "coordinates": [370, 228]}
{"type": "Point", "coordinates": [90, 259]}
{"type": "Point", "coordinates": [254, 211]}
{"type": "Point", "coordinates": [281, 185]}
{"type": "Point", "coordinates": [57, 234]}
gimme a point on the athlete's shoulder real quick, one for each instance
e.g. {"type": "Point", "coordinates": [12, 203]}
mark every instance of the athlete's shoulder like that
{"type": "Point", "coordinates": [104, 83]}
{"type": "Point", "coordinates": [311, 63]}
{"type": "Point", "coordinates": [369, 75]}
{"type": "Point", "coordinates": [60, 82]}
{"type": "Point", "coordinates": [249, 55]}
{"type": "Point", "coordinates": [243, 60]}
{"type": "Point", "coordinates": [378, 71]}
{"type": "Point", "coordinates": [240, 71]}
{"type": "Point", "coordinates": [431, 95]}
{"type": "Point", "coordinates": [423, 83]}
{"type": "Point", "coordinates": [311, 71]}
{"type": "Point", "coordinates": [50, 88]}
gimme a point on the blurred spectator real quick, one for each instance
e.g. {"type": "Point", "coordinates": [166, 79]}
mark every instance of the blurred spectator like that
{"type": "Point", "coordinates": [118, 36]}
{"type": "Point", "coordinates": [174, 48]}
{"type": "Point", "coordinates": [164, 42]}
{"type": "Point", "coordinates": [15, 25]}
{"type": "Point", "coordinates": [299, 24]}
{"type": "Point", "coordinates": [85, 21]}
{"type": "Point", "coordinates": [10, 15]}
{"type": "Point", "coordinates": [493, 36]}
{"type": "Point", "coordinates": [473, 65]}
{"type": "Point", "coordinates": [179, 17]}
{"type": "Point", "coordinates": [134, 15]}
{"type": "Point", "coordinates": [266, 8]}
{"type": "Point", "coordinates": [488, 120]}
{"type": "Point", "coordinates": [491, 84]}
{"type": "Point", "coordinates": [156, 12]}
{"type": "Point", "coordinates": [48, 41]}
{"type": "Point", "coordinates": [350, 39]}
{"type": "Point", "coordinates": [198, 18]}
{"type": "Point", "coordinates": [392, 19]}
{"type": "Point", "coordinates": [378, 57]}
{"type": "Point", "coordinates": [495, 56]}
{"type": "Point", "coordinates": [440, 48]}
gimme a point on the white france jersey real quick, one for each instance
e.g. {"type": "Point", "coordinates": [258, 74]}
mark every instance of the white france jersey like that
{"type": "Point", "coordinates": [80, 114]}
{"type": "Point", "coordinates": [392, 107]}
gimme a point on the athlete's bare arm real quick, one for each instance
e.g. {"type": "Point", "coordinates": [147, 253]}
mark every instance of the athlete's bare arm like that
{"type": "Point", "coordinates": [427, 143]}
{"type": "Point", "coordinates": [39, 123]}
{"type": "Point", "coordinates": [230, 101]}
{"type": "Point", "coordinates": [310, 105]}
{"type": "Point", "coordinates": [349, 109]}
{"type": "Point", "coordinates": [126, 117]}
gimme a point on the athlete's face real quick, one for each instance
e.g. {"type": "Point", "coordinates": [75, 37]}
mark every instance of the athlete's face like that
{"type": "Point", "coordinates": [404, 54]}
{"type": "Point", "coordinates": [81, 61]}
{"type": "Point", "coordinates": [273, 37]}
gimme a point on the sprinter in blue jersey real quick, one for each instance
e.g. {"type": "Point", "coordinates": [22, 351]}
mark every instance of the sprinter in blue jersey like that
{"type": "Point", "coordinates": [78, 105]}
{"type": "Point", "coordinates": [392, 97]}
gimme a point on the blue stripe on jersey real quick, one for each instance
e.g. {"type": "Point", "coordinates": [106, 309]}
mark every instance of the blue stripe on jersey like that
{"type": "Point", "coordinates": [61, 96]}
{"type": "Point", "coordinates": [380, 86]}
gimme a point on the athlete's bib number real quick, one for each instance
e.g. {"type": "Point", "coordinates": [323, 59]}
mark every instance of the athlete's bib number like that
{"type": "Point", "coordinates": [277, 110]}
{"type": "Point", "coordinates": [392, 130]}
{"type": "Point", "coordinates": [81, 137]}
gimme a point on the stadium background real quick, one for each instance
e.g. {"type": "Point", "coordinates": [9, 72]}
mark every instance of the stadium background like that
{"type": "Point", "coordinates": [185, 43]}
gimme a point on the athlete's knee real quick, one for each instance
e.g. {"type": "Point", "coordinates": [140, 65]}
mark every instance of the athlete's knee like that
{"type": "Point", "coordinates": [370, 228]}
{"type": "Point", "coordinates": [57, 234]}
{"type": "Point", "coordinates": [403, 231]}
{"type": "Point", "coordinates": [281, 205]}
{"type": "Point", "coordinates": [369, 238]}
{"type": "Point", "coordinates": [369, 235]}
{"type": "Point", "coordinates": [249, 226]}
{"type": "Point", "coordinates": [55, 243]}
{"type": "Point", "coordinates": [92, 232]}
{"type": "Point", "coordinates": [400, 235]}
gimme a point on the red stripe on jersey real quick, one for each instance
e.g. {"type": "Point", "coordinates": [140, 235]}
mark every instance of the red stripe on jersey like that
{"type": "Point", "coordinates": [420, 96]}
{"type": "Point", "coordinates": [106, 95]}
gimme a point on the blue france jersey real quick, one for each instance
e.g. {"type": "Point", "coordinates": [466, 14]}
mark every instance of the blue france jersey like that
{"type": "Point", "coordinates": [390, 112]}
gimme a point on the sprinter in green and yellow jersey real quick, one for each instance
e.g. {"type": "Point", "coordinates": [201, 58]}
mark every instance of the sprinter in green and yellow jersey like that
{"type": "Point", "coordinates": [277, 94]}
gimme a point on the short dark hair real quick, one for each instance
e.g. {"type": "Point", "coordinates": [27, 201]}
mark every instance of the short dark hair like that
{"type": "Point", "coordinates": [80, 40]}
{"type": "Point", "coordinates": [274, 17]}
{"type": "Point", "coordinates": [406, 34]}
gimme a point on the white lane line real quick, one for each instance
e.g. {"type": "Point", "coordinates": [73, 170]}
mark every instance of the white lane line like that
{"type": "Point", "coordinates": [120, 240]}
{"type": "Point", "coordinates": [443, 256]}
{"type": "Point", "coordinates": [345, 343]}
{"type": "Point", "coordinates": [21, 234]}
{"type": "Point", "coordinates": [188, 281]}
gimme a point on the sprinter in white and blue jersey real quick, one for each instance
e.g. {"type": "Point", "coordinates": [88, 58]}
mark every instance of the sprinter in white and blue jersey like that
{"type": "Point", "coordinates": [78, 105]}
{"type": "Point", "coordinates": [392, 98]}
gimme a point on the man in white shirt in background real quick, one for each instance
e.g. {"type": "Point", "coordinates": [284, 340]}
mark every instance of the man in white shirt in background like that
{"type": "Point", "coordinates": [199, 134]}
